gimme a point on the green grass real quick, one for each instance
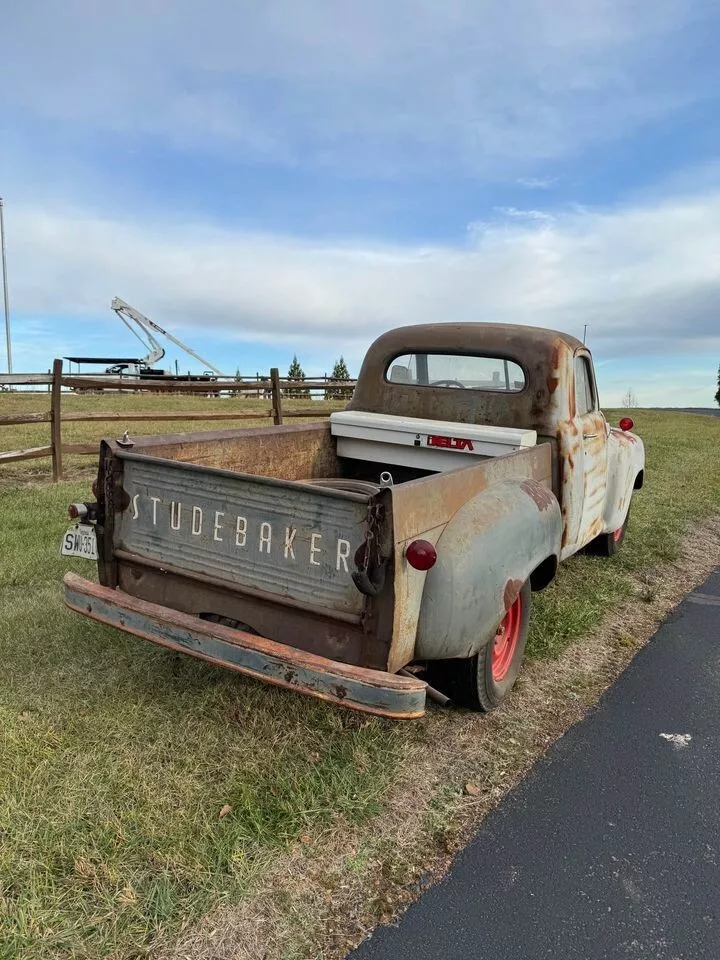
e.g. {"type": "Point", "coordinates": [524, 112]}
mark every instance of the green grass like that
{"type": "Point", "coordinates": [117, 756]}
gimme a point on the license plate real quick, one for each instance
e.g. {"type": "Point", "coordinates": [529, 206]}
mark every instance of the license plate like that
{"type": "Point", "coordinates": [79, 541]}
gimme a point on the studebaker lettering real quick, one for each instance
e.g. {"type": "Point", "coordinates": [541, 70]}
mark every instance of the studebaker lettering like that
{"type": "Point", "coordinates": [261, 536]}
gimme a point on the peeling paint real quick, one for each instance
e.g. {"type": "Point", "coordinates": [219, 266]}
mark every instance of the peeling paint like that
{"type": "Point", "coordinates": [543, 496]}
{"type": "Point", "coordinates": [510, 593]}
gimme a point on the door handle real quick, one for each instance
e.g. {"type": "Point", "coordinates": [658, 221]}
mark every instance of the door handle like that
{"type": "Point", "coordinates": [589, 436]}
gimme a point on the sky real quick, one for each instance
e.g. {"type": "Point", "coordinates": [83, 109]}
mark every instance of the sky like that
{"type": "Point", "coordinates": [280, 178]}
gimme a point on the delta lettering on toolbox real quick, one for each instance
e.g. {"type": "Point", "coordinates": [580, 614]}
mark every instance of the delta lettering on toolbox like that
{"type": "Point", "coordinates": [450, 443]}
{"type": "Point", "coordinates": [259, 536]}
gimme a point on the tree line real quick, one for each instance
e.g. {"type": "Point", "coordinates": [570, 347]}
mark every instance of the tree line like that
{"type": "Point", "coordinates": [339, 373]}
{"type": "Point", "coordinates": [295, 372]}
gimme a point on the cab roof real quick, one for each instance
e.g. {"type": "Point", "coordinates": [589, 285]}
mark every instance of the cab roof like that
{"type": "Point", "coordinates": [511, 339]}
{"type": "Point", "coordinates": [546, 357]}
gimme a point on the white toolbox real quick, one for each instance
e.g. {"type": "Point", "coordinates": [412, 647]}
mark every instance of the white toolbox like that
{"type": "Point", "coordinates": [426, 444]}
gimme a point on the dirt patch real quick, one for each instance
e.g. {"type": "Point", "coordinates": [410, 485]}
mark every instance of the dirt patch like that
{"type": "Point", "coordinates": [326, 894]}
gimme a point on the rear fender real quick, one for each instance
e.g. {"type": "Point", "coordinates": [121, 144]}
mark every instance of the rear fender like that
{"type": "Point", "coordinates": [485, 554]}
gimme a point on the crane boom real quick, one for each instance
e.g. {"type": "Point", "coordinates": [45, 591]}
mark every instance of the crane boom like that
{"type": "Point", "coordinates": [126, 312]}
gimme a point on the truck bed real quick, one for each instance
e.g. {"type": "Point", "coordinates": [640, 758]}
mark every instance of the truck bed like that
{"type": "Point", "coordinates": [261, 528]}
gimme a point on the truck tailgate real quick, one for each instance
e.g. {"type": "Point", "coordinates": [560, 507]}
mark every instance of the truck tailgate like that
{"type": "Point", "coordinates": [287, 540]}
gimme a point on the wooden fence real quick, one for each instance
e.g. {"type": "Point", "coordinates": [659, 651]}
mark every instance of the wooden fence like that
{"type": "Point", "coordinates": [272, 388]}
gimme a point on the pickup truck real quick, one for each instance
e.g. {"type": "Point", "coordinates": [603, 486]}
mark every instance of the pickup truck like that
{"type": "Point", "coordinates": [386, 555]}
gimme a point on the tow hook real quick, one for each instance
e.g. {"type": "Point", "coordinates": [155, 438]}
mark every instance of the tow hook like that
{"type": "Point", "coordinates": [369, 577]}
{"type": "Point", "coordinates": [370, 581]}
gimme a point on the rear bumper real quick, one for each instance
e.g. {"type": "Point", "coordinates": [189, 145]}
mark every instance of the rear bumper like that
{"type": "Point", "coordinates": [371, 691]}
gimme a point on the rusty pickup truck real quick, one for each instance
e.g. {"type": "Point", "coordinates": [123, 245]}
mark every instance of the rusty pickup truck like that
{"type": "Point", "coordinates": [386, 555]}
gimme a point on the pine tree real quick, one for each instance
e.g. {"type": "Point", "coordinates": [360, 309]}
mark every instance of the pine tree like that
{"type": "Point", "coordinates": [340, 372]}
{"type": "Point", "coordinates": [296, 372]}
{"type": "Point", "coordinates": [717, 395]}
{"type": "Point", "coordinates": [238, 379]}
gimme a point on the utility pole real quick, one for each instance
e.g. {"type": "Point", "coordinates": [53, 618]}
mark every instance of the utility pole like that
{"type": "Point", "coordinates": [5, 289]}
{"type": "Point", "coordinates": [585, 331]}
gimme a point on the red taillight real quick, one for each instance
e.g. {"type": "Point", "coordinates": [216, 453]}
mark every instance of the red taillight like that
{"type": "Point", "coordinates": [77, 511]}
{"type": "Point", "coordinates": [94, 488]}
{"type": "Point", "coordinates": [421, 555]}
{"type": "Point", "coordinates": [627, 423]}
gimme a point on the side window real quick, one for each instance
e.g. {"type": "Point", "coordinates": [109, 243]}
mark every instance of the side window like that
{"type": "Point", "coordinates": [584, 396]}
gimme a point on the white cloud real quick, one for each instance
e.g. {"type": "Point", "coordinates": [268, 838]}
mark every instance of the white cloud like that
{"type": "Point", "coordinates": [379, 87]}
{"type": "Point", "coordinates": [537, 183]}
{"type": "Point", "coordinates": [540, 216]}
{"type": "Point", "coordinates": [646, 278]}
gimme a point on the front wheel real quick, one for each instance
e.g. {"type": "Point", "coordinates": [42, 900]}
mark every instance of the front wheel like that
{"type": "Point", "coordinates": [482, 682]}
{"type": "Point", "coordinates": [608, 544]}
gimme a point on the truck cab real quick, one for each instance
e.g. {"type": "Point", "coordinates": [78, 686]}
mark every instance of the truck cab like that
{"type": "Point", "coordinates": [519, 378]}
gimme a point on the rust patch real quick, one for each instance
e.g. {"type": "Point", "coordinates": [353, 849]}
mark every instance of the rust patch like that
{"type": "Point", "coordinates": [552, 384]}
{"type": "Point", "coordinates": [510, 594]}
{"type": "Point", "coordinates": [543, 497]}
{"type": "Point", "coordinates": [555, 355]}
{"type": "Point", "coordinates": [623, 437]}
{"type": "Point", "coordinates": [572, 405]}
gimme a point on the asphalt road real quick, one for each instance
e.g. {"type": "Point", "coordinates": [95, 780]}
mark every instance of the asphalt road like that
{"type": "Point", "coordinates": [611, 847]}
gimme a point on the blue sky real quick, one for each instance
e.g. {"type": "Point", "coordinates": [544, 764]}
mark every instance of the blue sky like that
{"type": "Point", "coordinates": [280, 178]}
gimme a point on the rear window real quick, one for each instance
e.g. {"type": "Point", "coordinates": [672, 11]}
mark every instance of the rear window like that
{"type": "Point", "coordinates": [457, 372]}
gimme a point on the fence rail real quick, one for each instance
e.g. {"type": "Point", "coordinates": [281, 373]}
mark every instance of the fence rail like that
{"type": "Point", "coordinates": [24, 379]}
{"type": "Point", "coordinates": [272, 388]}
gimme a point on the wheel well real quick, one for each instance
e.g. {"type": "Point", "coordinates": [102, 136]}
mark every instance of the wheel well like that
{"type": "Point", "coordinates": [639, 480]}
{"type": "Point", "coordinates": [544, 574]}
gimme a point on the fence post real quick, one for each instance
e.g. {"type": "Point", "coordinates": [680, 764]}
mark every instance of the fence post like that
{"type": "Point", "coordinates": [276, 396]}
{"type": "Point", "coordinates": [56, 422]}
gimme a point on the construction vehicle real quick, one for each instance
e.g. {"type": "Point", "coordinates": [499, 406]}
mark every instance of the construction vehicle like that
{"type": "Point", "coordinates": [143, 367]}
{"type": "Point", "coordinates": [156, 351]}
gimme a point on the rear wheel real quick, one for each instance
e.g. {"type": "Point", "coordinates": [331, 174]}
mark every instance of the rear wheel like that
{"type": "Point", "coordinates": [482, 682]}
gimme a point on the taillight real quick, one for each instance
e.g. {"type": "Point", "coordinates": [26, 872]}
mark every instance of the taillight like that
{"type": "Point", "coordinates": [421, 555]}
{"type": "Point", "coordinates": [94, 488]}
{"type": "Point", "coordinates": [83, 511]}
{"type": "Point", "coordinates": [627, 423]}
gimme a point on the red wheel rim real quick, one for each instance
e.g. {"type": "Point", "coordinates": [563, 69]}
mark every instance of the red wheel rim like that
{"type": "Point", "coordinates": [617, 534]}
{"type": "Point", "coordinates": [506, 641]}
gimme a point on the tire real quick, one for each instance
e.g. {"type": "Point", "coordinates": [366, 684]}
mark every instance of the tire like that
{"type": "Point", "coordinates": [608, 544]}
{"type": "Point", "coordinates": [482, 682]}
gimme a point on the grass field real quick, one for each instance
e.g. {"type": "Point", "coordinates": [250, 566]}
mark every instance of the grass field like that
{"type": "Point", "coordinates": [23, 436]}
{"type": "Point", "coordinates": [140, 789]}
